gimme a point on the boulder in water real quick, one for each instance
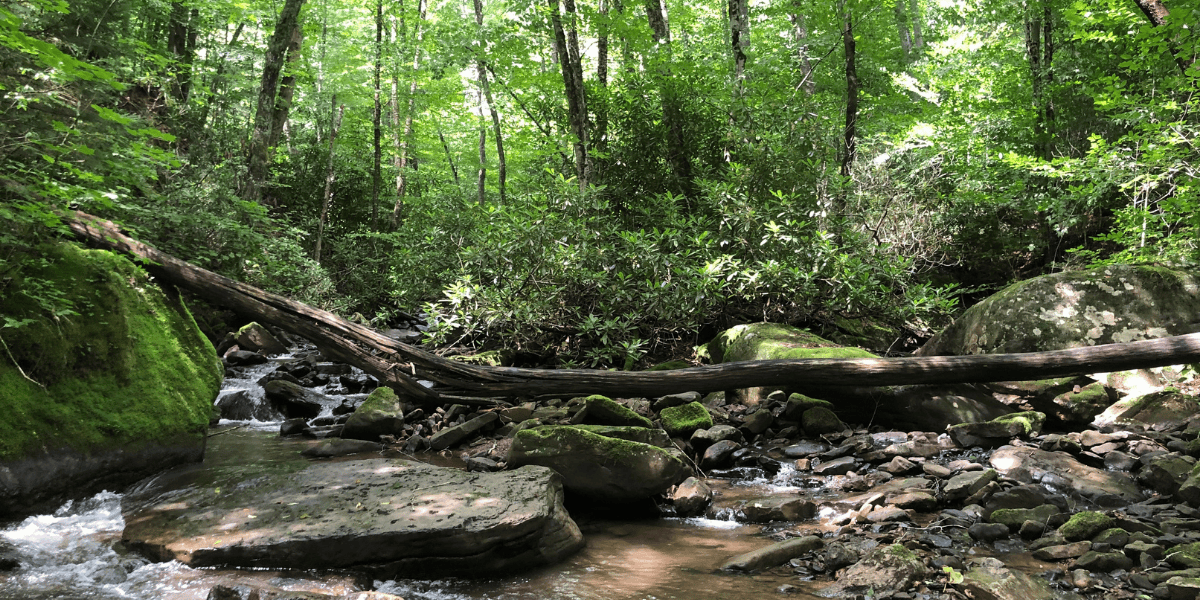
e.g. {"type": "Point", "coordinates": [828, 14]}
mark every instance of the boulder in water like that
{"type": "Point", "coordinates": [393, 517]}
{"type": "Point", "coordinates": [380, 414]}
{"type": "Point", "coordinates": [256, 338]}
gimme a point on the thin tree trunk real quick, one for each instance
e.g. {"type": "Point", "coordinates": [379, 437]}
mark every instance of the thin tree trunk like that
{"type": "Point", "coordinates": [800, 36]}
{"type": "Point", "coordinates": [406, 137]}
{"type": "Point", "coordinates": [258, 160]}
{"type": "Point", "coordinates": [486, 89]}
{"type": "Point", "coordinates": [850, 133]}
{"type": "Point", "coordinates": [918, 39]}
{"type": "Point", "coordinates": [677, 157]}
{"type": "Point", "coordinates": [399, 365]}
{"type": "Point", "coordinates": [335, 121]}
{"type": "Point", "coordinates": [573, 85]}
{"type": "Point", "coordinates": [377, 171]}
{"type": "Point", "coordinates": [739, 38]}
{"type": "Point", "coordinates": [481, 180]}
{"type": "Point", "coordinates": [600, 107]}
{"type": "Point", "coordinates": [901, 14]}
{"type": "Point", "coordinates": [181, 43]}
{"type": "Point", "coordinates": [449, 155]}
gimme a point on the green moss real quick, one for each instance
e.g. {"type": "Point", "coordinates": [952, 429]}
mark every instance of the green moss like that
{"type": "Point", "coordinates": [491, 358]}
{"type": "Point", "coordinates": [774, 341]}
{"type": "Point", "coordinates": [616, 451]}
{"type": "Point", "coordinates": [131, 367]}
{"type": "Point", "coordinates": [803, 403]}
{"type": "Point", "coordinates": [381, 399]}
{"type": "Point", "coordinates": [1083, 525]}
{"type": "Point", "coordinates": [1030, 421]}
{"type": "Point", "coordinates": [899, 551]}
{"type": "Point", "coordinates": [819, 420]}
{"type": "Point", "coordinates": [682, 420]}
{"type": "Point", "coordinates": [605, 411]}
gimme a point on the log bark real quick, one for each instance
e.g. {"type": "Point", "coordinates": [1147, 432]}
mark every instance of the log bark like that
{"type": "Point", "coordinates": [401, 366]}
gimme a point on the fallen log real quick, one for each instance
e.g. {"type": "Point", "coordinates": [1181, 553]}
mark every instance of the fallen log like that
{"type": "Point", "coordinates": [401, 366]}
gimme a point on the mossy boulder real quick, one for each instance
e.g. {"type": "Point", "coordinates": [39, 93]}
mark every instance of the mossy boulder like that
{"type": "Point", "coordinates": [1085, 524]}
{"type": "Point", "coordinates": [1104, 305]}
{"type": "Point", "coordinates": [819, 420]}
{"type": "Point", "coordinates": [883, 572]}
{"type": "Point", "coordinates": [380, 414]}
{"type": "Point", "coordinates": [120, 390]}
{"type": "Point", "coordinates": [601, 410]}
{"type": "Point", "coordinates": [681, 421]}
{"type": "Point", "coordinates": [256, 338]}
{"type": "Point", "coordinates": [642, 435]}
{"type": "Point", "coordinates": [798, 403]}
{"type": "Point", "coordinates": [599, 468]}
{"type": "Point", "coordinates": [998, 431]}
{"type": "Point", "coordinates": [774, 341]}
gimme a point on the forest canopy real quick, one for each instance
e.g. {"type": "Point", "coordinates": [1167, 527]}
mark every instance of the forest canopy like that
{"type": "Point", "coordinates": [600, 180]}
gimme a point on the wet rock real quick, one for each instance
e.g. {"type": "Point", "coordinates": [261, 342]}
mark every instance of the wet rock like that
{"type": "Point", "coordinates": [453, 435]}
{"type": "Point", "coordinates": [240, 406]}
{"type": "Point", "coordinates": [380, 414]}
{"type": "Point", "coordinates": [691, 498]}
{"type": "Point", "coordinates": [340, 447]}
{"type": "Point", "coordinates": [1166, 473]}
{"type": "Point", "coordinates": [1105, 488]}
{"type": "Point", "coordinates": [837, 466]}
{"type": "Point", "coordinates": [778, 508]}
{"type": "Point", "coordinates": [480, 463]}
{"type": "Point", "coordinates": [988, 532]}
{"type": "Point", "coordinates": [773, 555]}
{"type": "Point", "coordinates": [10, 557]}
{"type": "Point", "coordinates": [989, 579]}
{"type": "Point", "coordinates": [885, 570]}
{"type": "Point", "coordinates": [703, 438]}
{"type": "Point", "coordinates": [1104, 561]}
{"type": "Point", "coordinates": [375, 512]}
{"type": "Point", "coordinates": [899, 466]}
{"type": "Point", "coordinates": [797, 404]}
{"type": "Point", "coordinates": [601, 410]}
{"type": "Point", "coordinates": [719, 455]}
{"type": "Point", "coordinates": [674, 400]}
{"type": "Point", "coordinates": [244, 358]}
{"type": "Point", "coordinates": [292, 400]}
{"type": "Point", "coordinates": [758, 421]}
{"type": "Point", "coordinates": [683, 420]}
{"type": "Point", "coordinates": [819, 421]}
{"type": "Point", "coordinates": [654, 437]}
{"type": "Point", "coordinates": [256, 338]}
{"type": "Point", "coordinates": [805, 448]}
{"type": "Point", "coordinates": [1063, 551]}
{"type": "Point", "coordinates": [968, 483]}
{"type": "Point", "coordinates": [998, 431]}
{"type": "Point", "coordinates": [599, 468]}
{"type": "Point", "coordinates": [296, 427]}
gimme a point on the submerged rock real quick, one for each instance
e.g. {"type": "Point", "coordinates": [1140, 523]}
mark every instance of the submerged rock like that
{"type": "Point", "coordinates": [773, 555]}
{"type": "Point", "coordinates": [399, 518]}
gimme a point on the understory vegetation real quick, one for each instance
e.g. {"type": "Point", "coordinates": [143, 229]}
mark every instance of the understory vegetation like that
{"type": "Point", "coordinates": [601, 183]}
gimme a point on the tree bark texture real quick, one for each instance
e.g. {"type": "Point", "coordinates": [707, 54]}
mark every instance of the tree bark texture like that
{"type": "Point", "coordinates": [258, 160]}
{"type": "Point", "coordinates": [850, 133]}
{"type": "Point", "coordinates": [403, 138]}
{"type": "Point", "coordinates": [287, 89]}
{"type": "Point", "coordinates": [377, 118]}
{"type": "Point", "coordinates": [677, 155]}
{"type": "Point", "coordinates": [335, 121]}
{"type": "Point", "coordinates": [901, 14]}
{"type": "Point", "coordinates": [572, 74]}
{"type": "Point", "coordinates": [739, 40]}
{"type": "Point", "coordinates": [400, 365]}
{"type": "Point", "coordinates": [486, 89]}
{"type": "Point", "coordinates": [1156, 12]}
{"type": "Point", "coordinates": [800, 37]}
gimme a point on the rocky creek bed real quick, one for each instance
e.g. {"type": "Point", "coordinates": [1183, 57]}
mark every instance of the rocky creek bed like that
{"type": "Point", "coordinates": [682, 496]}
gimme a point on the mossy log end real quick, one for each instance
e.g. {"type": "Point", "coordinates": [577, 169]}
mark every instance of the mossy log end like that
{"type": "Point", "coordinates": [400, 365]}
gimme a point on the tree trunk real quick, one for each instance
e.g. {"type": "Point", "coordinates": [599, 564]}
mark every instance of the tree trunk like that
{"type": "Point", "coordinates": [1157, 13]}
{"type": "Point", "coordinates": [335, 121]}
{"type": "Point", "coordinates": [399, 365]}
{"type": "Point", "coordinates": [800, 36]}
{"type": "Point", "coordinates": [287, 89]}
{"type": "Point", "coordinates": [600, 107]}
{"type": "Point", "coordinates": [573, 85]}
{"type": "Point", "coordinates": [181, 43]}
{"type": "Point", "coordinates": [677, 156]}
{"type": "Point", "coordinates": [486, 89]}
{"type": "Point", "coordinates": [901, 13]}
{"type": "Point", "coordinates": [918, 40]}
{"type": "Point", "coordinates": [406, 137]}
{"type": "Point", "coordinates": [739, 40]}
{"type": "Point", "coordinates": [258, 159]}
{"type": "Point", "coordinates": [449, 155]}
{"type": "Point", "coordinates": [377, 118]}
{"type": "Point", "coordinates": [481, 180]}
{"type": "Point", "coordinates": [850, 134]}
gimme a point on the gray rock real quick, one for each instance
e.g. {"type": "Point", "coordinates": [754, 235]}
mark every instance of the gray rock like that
{"type": "Point", "coordinates": [340, 447]}
{"type": "Point", "coordinates": [1067, 475]}
{"type": "Point", "coordinates": [758, 422]}
{"type": "Point", "coordinates": [988, 532]}
{"type": "Point", "coordinates": [899, 466]}
{"type": "Point", "coordinates": [293, 400]}
{"type": "Point", "coordinates": [453, 435]}
{"type": "Point", "coordinates": [674, 400]}
{"type": "Point", "coordinates": [837, 466]}
{"type": "Point", "coordinates": [256, 338]}
{"type": "Point", "coordinates": [998, 431]}
{"type": "Point", "coordinates": [805, 448]}
{"type": "Point", "coordinates": [380, 414]}
{"type": "Point", "coordinates": [377, 512]}
{"type": "Point", "coordinates": [1104, 561]}
{"type": "Point", "coordinates": [1063, 551]}
{"type": "Point", "coordinates": [778, 508]}
{"type": "Point", "coordinates": [1166, 473]}
{"type": "Point", "coordinates": [703, 438]}
{"type": "Point", "coordinates": [691, 498]}
{"type": "Point", "coordinates": [599, 468]}
{"type": "Point", "coordinates": [989, 578]}
{"type": "Point", "coordinates": [773, 555]}
{"type": "Point", "coordinates": [968, 483]}
{"type": "Point", "coordinates": [240, 406]}
{"type": "Point", "coordinates": [886, 570]}
{"type": "Point", "coordinates": [719, 455]}
{"type": "Point", "coordinates": [244, 358]}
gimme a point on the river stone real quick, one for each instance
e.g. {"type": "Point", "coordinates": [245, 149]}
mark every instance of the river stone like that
{"type": "Point", "coordinates": [719, 455]}
{"type": "Point", "coordinates": [293, 400]}
{"type": "Point", "coordinates": [240, 406]}
{"type": "Point", "coordinates": [1063, 551]}
{"type": "Point", "coordinates": [691, 497]}
{"type": "Point", "coordinates": [602, 410]}
{"type": "Point", "coordinates": [1013, 518]}
{"type": "Point", "coordinates": [778, 508]}
{"type": "Point", "coordinates": [885, 570]}
{"type": "Point", "coordinates": [819, 420]}
{"type": "Point", "coordinates": [683, 420]}
{"type": "Point", "coordinates": [989, 579]}
{"type": "Point", "coordinates": [403, 518]}
{"type": "Point", "coordinates": [453, 435]}
{"type": "Point", "coordinates": [1104, 561]}
{"type": "Point", "coordinates": [1189, 490]}
{"type": "Point", "coordinates": [599, 468]}
{"type": "Point", "coordinates": [256, 338]}
{"type": "Point", "coordinates": [803, 448]}
{"type": "Point", "coordinates": [380, 414]}
{"type": "Point", "coordinates": [998, 431]}
{"type": "Point", "coordinates": [339, 447]}
{"type": "Point", "coordinates": [654, 437]}
{"type": "Point", "coordinates": [773, 555]}
{"type": "Point", "coordinates": [798, 403]}
{"type": "Point", "coordinates": [758, 421]}
{"type": "Point", "coordinates": [1161, 411]}
{"type": "Point", "coordinates": [703, 438]}
{"type": "Point", "coordinates": [244, 358]}
{"type": "Point", "coordinates": [1166, 473]}
{"type": "Point", "coordinates": [1067, 475]}
{"type": "Point", "coordinates": [966, 484]}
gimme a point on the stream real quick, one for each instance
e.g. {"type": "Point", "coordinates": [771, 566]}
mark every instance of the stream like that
{"type": "Point", "coordinates": [76, 552]}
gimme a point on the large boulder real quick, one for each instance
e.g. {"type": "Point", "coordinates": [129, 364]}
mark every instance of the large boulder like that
{"type": "Point", "coordinates": [599, 468]}
{"type": "Point", "coordinates": [102, 398]}
{"type": "Point", "coordinates": [1061, 471]}
{"type": "Point", "coordinates": [391, 517]}
{"type": "Point", "coordinates": [1113, 304]}
{"type": "Point", "coordinates": [256, 338]}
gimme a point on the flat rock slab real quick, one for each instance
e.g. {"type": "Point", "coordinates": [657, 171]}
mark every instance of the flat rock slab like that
{"type": "Point", "coordinates": [397, 517]}
{"type": "Point", "coordinates": [1061, 472]}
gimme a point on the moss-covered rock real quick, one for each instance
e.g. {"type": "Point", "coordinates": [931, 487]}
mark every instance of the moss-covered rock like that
{"type": "Point", "coordinates": [601, 410]}
{"type": "Point", "coordinates": [1083, 525]}
{"type": "Point", "coordinates": [642, 435]}
{"type": "Point", "coordinates": [819, 420]}
{"type": "Point", "coordinates": [1014, 517]}
{"type": "Point", "coordinates": [124, 388]}
{"type": "Point", "coordinates": [599, 468]}
{"type": "Point", "coordinates": [798, 403]}
{"type": "Point", "coordinates": [998, 431]}
{"type": "Point", "coordinates": [681, 421]}
{"type": "Point", "coordinates": [380, 414]}
{"type": "Point", "coordinates": [774, 341]}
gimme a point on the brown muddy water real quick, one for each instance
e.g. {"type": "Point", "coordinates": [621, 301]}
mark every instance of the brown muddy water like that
{"type": "Point", "coordinates": [76, 552]}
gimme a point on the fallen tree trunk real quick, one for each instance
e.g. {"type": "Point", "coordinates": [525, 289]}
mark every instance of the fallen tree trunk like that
{"type": "Point", "coordinates": [401, 366]}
